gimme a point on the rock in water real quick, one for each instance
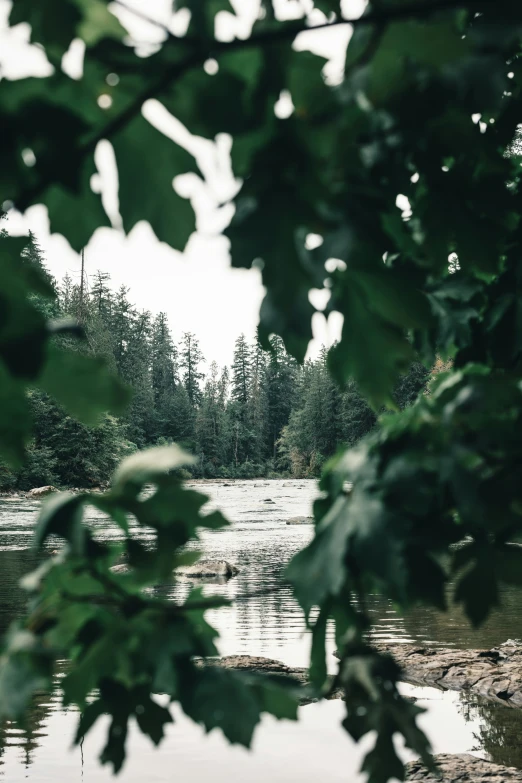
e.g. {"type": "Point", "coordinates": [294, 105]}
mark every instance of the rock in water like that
{"type": "Point", "coordinates": [40, 492]}
{"type": "Point", "coordinates": [209, 568]}
{"type": "Point", "coordinates": [300, 521]}
{"type": "Point", "coordinates": [494, 674]}
{"type": "Point", "coordinates": [464, 768]}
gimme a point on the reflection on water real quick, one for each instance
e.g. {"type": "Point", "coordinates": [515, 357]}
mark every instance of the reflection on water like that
{"type": "Point", "coordinates": [260, 544]}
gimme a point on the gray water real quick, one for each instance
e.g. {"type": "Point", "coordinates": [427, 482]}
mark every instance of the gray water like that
{"type": "Point", "coordinates": [260, 544]}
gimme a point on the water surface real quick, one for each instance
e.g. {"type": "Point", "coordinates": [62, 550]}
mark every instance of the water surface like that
{"type": "Point", "coordinates": [260, 543]}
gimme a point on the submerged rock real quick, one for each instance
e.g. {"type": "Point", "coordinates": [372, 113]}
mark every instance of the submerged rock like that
{"type": "Point", "coordinates": [208, 568]}
{"type": "Point", "coordinates": [40, 492]}
{"type": "Point", "coordinates": [495, 674]}
{"type": "Point", "coordinates": [464, 768]}
{"type": "Point", "coordinates": [300, 521]}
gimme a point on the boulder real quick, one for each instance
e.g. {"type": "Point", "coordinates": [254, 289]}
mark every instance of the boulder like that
{"type": "Point", "coordinates": [40, 492]}
{"type": "Point", "coordinates": [464, 768]}
{"type": "Point", "coordinates": [300, 521]}
{"type": "Point", "coordinates": [208, 568]}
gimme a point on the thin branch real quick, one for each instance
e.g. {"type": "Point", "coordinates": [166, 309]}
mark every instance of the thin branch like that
{"type": "Point", "coordinates": [213, 48]}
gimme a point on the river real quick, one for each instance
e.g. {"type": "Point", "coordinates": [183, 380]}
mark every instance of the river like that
{"type": "Point", "coordinates": [260, 543]}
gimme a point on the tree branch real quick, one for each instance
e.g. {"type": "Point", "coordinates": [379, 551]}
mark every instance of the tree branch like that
{"type": "Point", "coordinates": [204, 50]}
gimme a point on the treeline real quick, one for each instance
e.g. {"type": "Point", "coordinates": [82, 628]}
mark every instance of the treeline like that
{"type": "Point", "coordinates": [264, 416]}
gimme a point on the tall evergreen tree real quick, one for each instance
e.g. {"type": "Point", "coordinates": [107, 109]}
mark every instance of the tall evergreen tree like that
{"type": "Point", "coordinates": [211, 422]}
{"type": "Point", "coordinates": [190, 359]}
{"type": "Point", "coordinates": [281, 377]}
{"type": "Point", "coordinates": [239, 408]}
{"type": "Point", "coordinates": [258, 400]}
{"type": "Point", "coordinates": [241, 372]}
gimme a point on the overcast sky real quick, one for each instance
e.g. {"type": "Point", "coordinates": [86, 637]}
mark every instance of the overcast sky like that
{"type": "Point", "coordinates": [197, 289]}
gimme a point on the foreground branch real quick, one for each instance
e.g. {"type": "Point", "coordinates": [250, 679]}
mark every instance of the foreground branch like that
{"type": "Point", "coordinates": [286, 32]}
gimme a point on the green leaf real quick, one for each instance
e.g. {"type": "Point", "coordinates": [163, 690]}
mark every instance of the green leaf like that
{"type": "Point", "coordinates": [382, 761]}
{"type": "Point", "coordinates": [53, 25]}
{"type": "Point", "coordinates": [114, 751]}
{"type": "Point", "coordinates": [88, 718]}
{"type": "Point", "coordinates": [152, 718]}
{"type": "Point", "coordinates": [61, 515]}
{"type": "Point", "coordinates": [76, 213]}
{"type": "Point", "coordinates": [97, 662]}
{"type": "Point", "coordinates": [278, 698]}
{"type": "Point", "coordinates": [313, 100]}
{"type": "Point", "coordinates": [98, 22]}
{"type": "Point", "coordinates": [149, 465]}
{"type": "Point", "coordinates": [365, 337]}
{"type": "Point", "coordinates": [147, 162]}
{"type": "Point", "coordinates": [82, 384]}
{"type": "Point", "coordinates": [220, 698]}
{"type": "Point", "coordinates": [392, 296]}
{"type": "Point", "coordinates": [318, 570]}
{"type": "Point", "coordinates": [477, 590]}
{"type": "Point", "coordinates": [318, 668]}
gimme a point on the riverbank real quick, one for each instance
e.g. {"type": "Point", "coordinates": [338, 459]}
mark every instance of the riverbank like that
{"type": "Point", "coordinates": [494, 674]}
{"type": "Point", "coordinates": [462, 768]}
{"type": "Point", "coordinates": [35, 492]}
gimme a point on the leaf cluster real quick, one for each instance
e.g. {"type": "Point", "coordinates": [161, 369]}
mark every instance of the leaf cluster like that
{"type": "Point", "coordinates": [126, 645]}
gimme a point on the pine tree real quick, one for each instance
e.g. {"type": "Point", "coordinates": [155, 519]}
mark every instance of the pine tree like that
{"type": "Point", "coordinates": [243, 439]}
{"type": "Point", "coordinates": [241, 372]}
{"type": "Point", "coordinates": [258, 400]}
{"type": "Point", "coordinates": [211, 422]}
{"type": "Point", "coordinates": [164, 376]}
{"type": "Point", "coordinates": [190, 360]}
{"type": "Point", "coordinates": [281, 377]}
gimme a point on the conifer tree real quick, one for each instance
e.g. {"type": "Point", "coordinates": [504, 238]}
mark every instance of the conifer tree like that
{"type": "Point", "coordinates": [190, 359]}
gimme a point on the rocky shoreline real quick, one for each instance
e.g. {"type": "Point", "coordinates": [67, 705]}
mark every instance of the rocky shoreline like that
{"type": "Point", "coordinates": [451, 768]}
{"type": "Point", "coordinates": [494, 674]}
{"type": "Point", "coordinates": [462, 768]}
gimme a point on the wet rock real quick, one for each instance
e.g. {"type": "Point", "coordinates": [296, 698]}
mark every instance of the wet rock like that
{"type": "Point", "coordinates": [208, 568]}
{"type": "Point", "coordinates": [464, 768]}
{"type": "Point", "coordinates": [270, 667]}
{"type": "Point", "coordinates": [260, 665]}
{"type": "Point", "coordinates": [300, 521]}
{"type": "Point", "coordinates": [40, 492]}
{"type": "Point", "coordinates": [494, 674]}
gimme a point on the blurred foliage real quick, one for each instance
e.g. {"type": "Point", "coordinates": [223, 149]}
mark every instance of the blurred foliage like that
{"type": "Point", "coordinates": [427, 109]}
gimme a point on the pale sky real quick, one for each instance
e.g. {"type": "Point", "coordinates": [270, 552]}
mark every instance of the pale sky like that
{"type": "Point", "coordinates": [197, 289]}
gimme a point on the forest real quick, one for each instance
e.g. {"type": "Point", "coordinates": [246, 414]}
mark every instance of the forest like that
{"type": "Point", "coordinates": [265, 416]}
